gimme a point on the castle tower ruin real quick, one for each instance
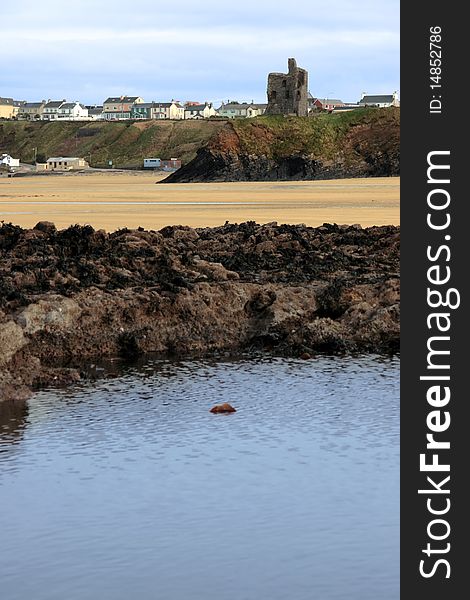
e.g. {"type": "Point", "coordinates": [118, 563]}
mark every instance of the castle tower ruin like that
{"type": "Point", "coordinates": [287, 92]}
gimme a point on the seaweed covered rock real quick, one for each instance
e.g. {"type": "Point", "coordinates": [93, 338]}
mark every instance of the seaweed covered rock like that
{"type": "Point", "coordinates": [80, 294]}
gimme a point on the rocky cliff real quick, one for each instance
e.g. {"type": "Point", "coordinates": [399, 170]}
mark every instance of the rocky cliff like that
{"type": "Point", "coordinates": [360, 143]}
{"type": "Point", "coordinates": [80, 294]}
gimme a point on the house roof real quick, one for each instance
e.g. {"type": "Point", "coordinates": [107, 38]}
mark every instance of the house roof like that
{"type": "Point", "coordinates": [62, 158]}
{"type": "Point", "coordinates": [380, 99]}
{"type": "Point", "coordinates": [72, 105]}
{"type": "Point", "coordinates": [329, 100]}
{"type": "Point", "coordinates": [33, 105]}
{"type": "Point", "coordinates": [259, 105]}
{"type": "Point", "coordinates": [196, 107]}
{"type": "Point", "coordinates": [126, 99]}
{"type": "Point", "coordinates": [8, 101]}
{"type": "Point", "coordinates": [95, 111]}
{"type": "Point", "coordinates": [235, 105]}
{"type": "Point", "coordinates": [167, 104]}
{"type": "Point", "coordinates": [54, 104]}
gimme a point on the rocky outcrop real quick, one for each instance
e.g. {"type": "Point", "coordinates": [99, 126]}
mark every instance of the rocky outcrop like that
{"type": "Point", "coordinates": [79, 294]}
{"type": "Point", "coordinates": [363, 143]}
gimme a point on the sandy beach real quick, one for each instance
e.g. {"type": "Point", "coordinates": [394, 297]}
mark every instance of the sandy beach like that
{"type": "Point", "coordinates": [113, 200]}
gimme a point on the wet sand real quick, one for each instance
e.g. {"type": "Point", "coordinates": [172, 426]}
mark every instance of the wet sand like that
{"type": "Point", "coordinates": [123, 199]}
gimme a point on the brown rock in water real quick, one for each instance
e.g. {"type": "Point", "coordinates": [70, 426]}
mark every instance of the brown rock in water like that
{"type": "Point", "coordinates": [222, 408]}
{"type": "Point", "coordinates": [305, 356]}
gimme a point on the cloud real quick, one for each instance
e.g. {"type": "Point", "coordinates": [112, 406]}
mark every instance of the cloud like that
{"type": "Point", "coordinates": [186, 51]}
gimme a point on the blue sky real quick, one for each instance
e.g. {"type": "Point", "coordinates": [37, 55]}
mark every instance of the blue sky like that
{"type": "Point", "coordinates": [206, 50]}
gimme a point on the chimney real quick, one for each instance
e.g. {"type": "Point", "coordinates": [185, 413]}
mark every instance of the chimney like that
{"type": "Point", "coordinates": [363, 94]}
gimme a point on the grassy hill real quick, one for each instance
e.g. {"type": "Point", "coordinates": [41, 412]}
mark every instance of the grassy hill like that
{"type": "Point", "coordinates": [362, 142]}
{"type": "Point", "coordinates": [125, 143]}
{"type": "Point", "coordinates": [323, 136]}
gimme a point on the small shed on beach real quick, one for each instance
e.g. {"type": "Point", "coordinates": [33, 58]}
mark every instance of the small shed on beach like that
{"type": "Point", "coordinates": [66, 163]}
{"type": "Point", "coordinates": [152, 163]}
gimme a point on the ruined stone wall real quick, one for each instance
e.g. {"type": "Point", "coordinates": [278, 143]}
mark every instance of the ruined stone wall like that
{"type": "Point", "coordinates": [287, 92]}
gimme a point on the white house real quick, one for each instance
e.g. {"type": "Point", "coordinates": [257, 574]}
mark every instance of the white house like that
{"type": "Point", "coordinates": [255, 110]}
{"type": "Point", "coordinates": [7, 160]}
{"type": "Point", "coordinates": [72, 111]}
{"type": "Point", "coordinates": [199, 111]}
{"type": "Point", "coordinates": [95, 112]}
{"type": "Point", "coordinates": [168, 110]}
{"type": "Point", "coordinates": [51, 109]}
{"type": "Point", "coordinates": [381, 101]}
{"type": "Point", "coordinates": [237, 110]}
{"type": "Point", "coordinates": [233, 110]}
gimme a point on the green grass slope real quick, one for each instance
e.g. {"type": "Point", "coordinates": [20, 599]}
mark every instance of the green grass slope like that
{"type": "Point", "coordinates": [125, 143]}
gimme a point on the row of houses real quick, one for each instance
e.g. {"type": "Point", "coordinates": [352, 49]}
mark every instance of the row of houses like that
{"type": "Point", "coordinates": [124, 108]}
{"type": "Point", "coordinates": [336, 105]}
{"type": "Point", "coordinates": [134, 107]}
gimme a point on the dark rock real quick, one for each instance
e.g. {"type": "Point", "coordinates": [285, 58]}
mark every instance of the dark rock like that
{"type": "Point", "coordinates": [45, 226]}
{"type": "Point", "coordinates": [222, 408]}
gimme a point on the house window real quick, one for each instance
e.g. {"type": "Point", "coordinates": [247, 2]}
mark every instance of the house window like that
{"type": "Point", "coordinates": [284, 83]}
{"type": "Point", "coordinates": [287, 94]}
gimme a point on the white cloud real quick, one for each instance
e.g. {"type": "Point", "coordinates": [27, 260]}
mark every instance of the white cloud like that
{"type": "Point", "coordinates": [184, 50]}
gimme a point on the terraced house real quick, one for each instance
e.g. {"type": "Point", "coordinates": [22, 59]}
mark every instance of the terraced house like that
{"type": "Point", "coordinates": [119, 108]}
{"type": "Point", "coordinates": [9, 108]}
{"type": "Point", "coordinates": [237, 110]}
{"type": "Point", "coordinates": [32, 110]}
{"type": "Point", "coordinates": [199, 111]}
{"type": "Point", "coordinates": [72, 111]}
{"type": "Point", "coordinates": [170, 110]}
{"type": "Point", "coordinates": [51, 109]}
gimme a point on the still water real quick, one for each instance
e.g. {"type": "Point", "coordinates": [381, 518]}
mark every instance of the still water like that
{"type": "Point", "coordinates": [128, 488]}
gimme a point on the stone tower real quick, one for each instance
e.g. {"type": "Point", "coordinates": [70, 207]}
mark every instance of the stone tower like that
{"type": "Point", "coordinates": [287, 92]}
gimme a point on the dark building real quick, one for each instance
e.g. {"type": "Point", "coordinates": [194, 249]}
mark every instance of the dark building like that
{"type": "Point", "coordinates": [288, 92]}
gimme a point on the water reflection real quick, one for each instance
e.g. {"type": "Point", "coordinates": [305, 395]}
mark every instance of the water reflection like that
{"type": "Point", "coordinates": [13, 420]}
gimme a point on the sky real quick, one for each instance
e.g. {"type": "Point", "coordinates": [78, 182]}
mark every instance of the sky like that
{"type": "Point", "coordinates": [208, 50]}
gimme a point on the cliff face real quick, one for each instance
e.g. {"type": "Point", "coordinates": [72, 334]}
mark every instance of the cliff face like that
{"type": "Point", "coordinates": [360, 143]}
{"type": "Point", "coordinates": [80, 294]}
